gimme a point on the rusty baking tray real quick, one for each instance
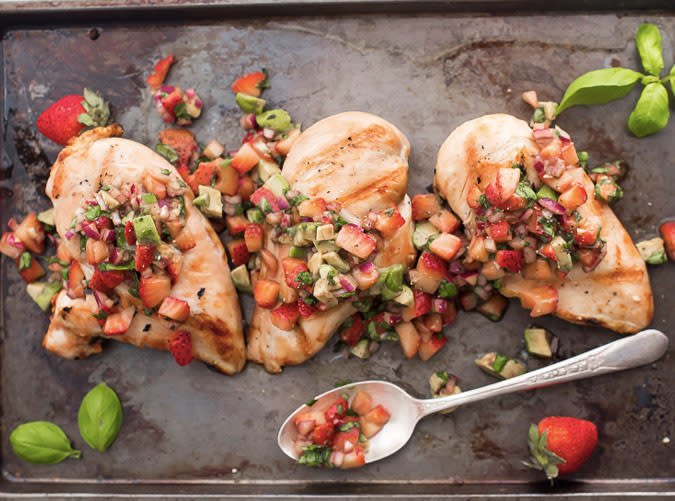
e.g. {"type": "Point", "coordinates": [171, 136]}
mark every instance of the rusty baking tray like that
{"type": "Point", "coordinates": [426, 67]}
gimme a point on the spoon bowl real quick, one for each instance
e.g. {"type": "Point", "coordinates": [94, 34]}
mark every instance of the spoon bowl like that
{"type": "Point", "coordinates": [632, 351]}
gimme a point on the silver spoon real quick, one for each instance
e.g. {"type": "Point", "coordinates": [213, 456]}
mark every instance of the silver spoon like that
{"type": "Point", "coordinates": [632, 351]}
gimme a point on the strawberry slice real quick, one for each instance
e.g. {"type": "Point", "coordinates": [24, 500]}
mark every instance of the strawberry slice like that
{"type": "Point", "coordinates": [185, 240]}
{"type": "Point", "coordinates": [180, 346]}
{"type": "Point", "coordinates": [292, 268]}
{"type": "Point", "coordinates": [425, 206]}
{"type": "Point", "coordinates": [306, 309]}
{"type": "Point", "coordinates": [129, 233]}
{"type": "Point", "coordinates": [154, 289]}
{"type": "Point", "coordinates": [175, 266]}
{"type": "Point", "coordinates": [202, 175]}
{"type": "Point", "coordinates": [156, 78]}
{"type": "Point", "coordinates": [312, 207]}
{"type": "Point", "coordinates": [511, 260]}
{"type": "Point", "coordinates": [429, 348]}
{"type": "Point", "coordinates": [67, 117]}
{"type": "Point", "coordinates": [75, 279]}
{"type": "Point", "coordinates": [445, 221]}
{"type": "Point", "coordinates": [446, 246]}
{"type": "Point", "coordinates": [286, 316]}
{"type": "Point", "coordinates": [10, 245]}
{"type": "Point", "coordinates": [145, 254]}
{"type": "Point", "coordinates": [245, 159]}
{"type": "Point", "coordinates": [236, 225]}
{"type": "Point", "coordinates": [174, 309]}
{"type": "Point", "coordinates": [388, 221]}
{"type": "Point", "coordinates": [352, 329]}
{"type": "Point", "coordinates": [262, 197]}
{"type": "Point", "coordinates": [31, 233]}
{"type": "Point", "coordinates": [323, 434]}
{"type": "Point", "coordinates": [499, 232]}
{"type": "Point", "coordinates": [29, 269]}
{"type": "Point", "coordinates": [105, 281]}
{"type": "Point", "coordinates": [183, 142]}
{"type": "Point", "coordinates": [253, 236]}
{"type": "Point", "coordinates": [668, 235]}
{"type": "Point", "coordinates": [238, 251]}
{"type": "Point", "coordinates": [251, 84]}
{"type": "Point", "coordinates": [266, 292]}
{"type": "Point", "coordinates": [352, 239]}
{"type": "Point", "coordinates": [118, 323]}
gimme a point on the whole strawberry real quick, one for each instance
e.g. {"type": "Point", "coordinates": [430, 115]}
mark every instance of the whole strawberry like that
{"type": "Point", "coordinates": [180, 346]}
{"type": "Point", "coordinates": [561, 445]}
{"type": "Point", "coordinates": [67, 117]}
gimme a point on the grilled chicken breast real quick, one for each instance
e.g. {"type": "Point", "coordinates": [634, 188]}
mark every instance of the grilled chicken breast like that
{"type": "Point", "coordinates": [95, 159]}
{"type": "Point", "coordinates": [361, 161]}
{"type": "Point", "coordinates": [616, 294]}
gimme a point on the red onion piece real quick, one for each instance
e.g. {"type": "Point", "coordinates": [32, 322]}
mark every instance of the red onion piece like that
{"type": "Point", "coordinates": [348, 284]}
{"type": "Point", "coordinates": [286, 220]}
{"type": "Point", "coordinates": [525, 215]}
{"type": "Point", "coordinates": [69, 234]}
{"type": "Point", "coordinates": [552, 205]}
{"type": "Point", "coordinates": [439, 305]}
{"type": "Point", "coordinates": [366, 267]}
{"type": "Point", "coordinates": [108, 235]}
{"type": "Point", "coordinates": [283, 203]}
{"type": "Point", "coordinates": [598, 258]}
{"type": "Point", "coordinates": [91, 231]}
{"type": "Point", "coordinates": [15, 242]}
{"type": "Point", "coordinates": [392, 318]}
{"type": "Point", "coordinates": [305, 219]}
{"type": "Point", "coordinates": [539, 166]}
{"type": "Point", "coordinates": [456, 267]}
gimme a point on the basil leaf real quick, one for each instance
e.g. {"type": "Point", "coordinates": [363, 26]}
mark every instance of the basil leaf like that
{"type": "Point", "coordinates": [648, 41]}
{"type": "Point", "coordinates": [651, 111]}
{"type": "Point", "coordinates": [100, 417]}
{"type": "Point", "coordinates": [599, 87]}
{"type": "Point", "coordinates": [42, 442]}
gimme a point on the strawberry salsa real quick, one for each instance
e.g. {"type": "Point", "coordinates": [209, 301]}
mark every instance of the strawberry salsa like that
{"type": "Point", "coordinates": [335, 433]}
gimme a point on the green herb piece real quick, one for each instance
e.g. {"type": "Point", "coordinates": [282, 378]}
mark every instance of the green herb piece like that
{"type": "Point", "coordinates": [539, 116]}
{"type": "Point", "coordinates": [101, 315]}
{"type": "Point", "coordinates": [181, 111]}
{"type": "Point", "coordinates": [599, 87]}
{"type": "Point", "coordinates": [182, 184]}
{"type": "Point", "coordinates": [25, 260]}
{"type": "Point", "coordinates": [447, 289]}
{"type": "Point", "coordinates": [42, 442]}
{"type": "Point", "coordinates": [309, 403]}
{"type": "Point", "coordinates": [607, 190]}
{"type": "Point", "coordinates": [389, 211]}
{"type": "Point", "coordinates": [349, 425]}
{"type": "Point", "coordinates": [100, 417]}
{"type": "Point", "coordinates": [583, 158]}
{"type": "Point", "coordinates": [651, 112]}
{"type": "Point", "coordinates": [500, 362]}
{"type": "Point", "coordinates": [497, 284]}
{"type": "Point", "coordinates": [484, 202]}
{"type": "Point", "coordinates": [167, 152]}
{"type": "Point", "coordinates": [525, 191]}
{"type": "Point", "coordinates": [93, 212]}
{"type": "Point", "coordinates": [304, 277]}
{"type": "Point", "coordinates": [149, 198]}
{"type": "Point", "coordinates": [315, 455]}
{"type": "Point", "coordinates": [166, 172]}
{"type": "Point", "coordinates": [107, 187]}
{"type": "Point", "coordinates": [648, 42]}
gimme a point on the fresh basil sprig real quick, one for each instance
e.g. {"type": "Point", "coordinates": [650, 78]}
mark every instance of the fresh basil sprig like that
{"type": "Point", "coordinates": [100, 417]}
{"type": "Point", "coordinates": [42, 442]}
{"type": "Point", "coordinates": [651, 112]}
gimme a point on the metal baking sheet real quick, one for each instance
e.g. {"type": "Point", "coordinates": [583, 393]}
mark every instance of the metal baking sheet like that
{"type": "Point", "coordinates": [192, 431]}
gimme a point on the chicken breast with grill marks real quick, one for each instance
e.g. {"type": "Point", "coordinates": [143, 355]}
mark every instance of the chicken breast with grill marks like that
{"type": "Point", "coordinates": [98, 158]}
{"type": "Point", "coordinates": [616, 294]}
{"type": "Point", "coordinates": [361, 161]}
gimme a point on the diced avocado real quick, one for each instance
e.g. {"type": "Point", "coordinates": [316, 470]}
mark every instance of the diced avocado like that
{"type": "Point", "coordinates": [325, 246]}
{"type": "Point", "coordinates": [267, 169]}
{"type": "Point", "coordinates": [328, 272]}
{"type": "Point", "coordinates": [362, 349]}
{"type": "Point", "coordinates": [255, 215]}
{"type": "Point", "coordinates": [494, 307]}
{"type": "Point", "coordinates": [539, 342]}
{"type": "Point", "coordinates": [314, 263]}
{"type": "Point", "coordinates": [547, 192]}
{"type": "Point", "coordinates": [201, 200]}
{"type": "Point", "coordinates": [254, 262]}
{"type": "Point", "coordinates": [422, 233]}
{"type": "Point", "coordinates": [42, 293]}
{"type": "Point", "coordinates": [276, 119]}
{"type": "Point", "coordinates": [652, 251]}
{"type": "Point", "coordinates": [146, 231]}
{"type": "Point", "coordinates": [322, 291]}
{"type": "Point", "coordinates": [562, 254]}
{"type": "Point", "coordinates": [277, 185]}
{"type": "Point", "coordinates": [214, 207]}
{"type": "Point", "coordinates": [405, 297]}
{"type": "Point", "coordinates": [249, 104]}
{"type": "Point", "coordinates": [499, 365]}
{"type": "Point", "coordinates": [297, 252]}
{"type": "Point", "coordinates": [325, 232]}
{"type": "Point", "coordinates": [149, 198]}
{"type": "Point", "coordinates": [241, 279]}
{"type": "Point", "coordinates": [305, 233]}
{"type": "Point", "coordinates": [47, 217]}
{"type": "Point", "coordinates": [109, 200]}
{"type": "Point", "coordinates": [334, 259]}
{"type": "Point", "coordinates": [394, 278]}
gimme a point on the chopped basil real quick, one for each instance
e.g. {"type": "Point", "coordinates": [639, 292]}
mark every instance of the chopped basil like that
{"type": "Point", "coordinates": [447, 289]}
{"type": "Point", "coordinates": [56, 260]}
{"type": "Point", "coordinates": [167, 152]}
{"type": "Point", "coordinates": [182, 205]}
{"type": "Point", "coordinates": [484, 202]}
{"type": "Point", "coordinates": [311, 300]}
{"type": "Point", "coordinates": [101, 315]}
{"type": "Point", "coordinates": [347, 324]}
{"type": "Point", "coordinates": [339, 221]}
{"type": "Point", "coordinates": [119, 267]}
{"type": "Point", "coordinates": [304, 277]}
{"type": "Point", "coordinates": [497, 284]}
{"type": "Point", "coordinates": [525, 191]}
{"type": "Point", "coordinates": [182, 184]}
{"type": "Point", "coordinates": [315, 455]}
{"type": "Point", "coordinates": [362, 306]}
{"type": "Point", "coordinates": [166, 172]}
{"type": "Point", "coordinates": [93, 212]}
{"type": "Point", "coordinates": [83, 243]}
{"type": "Point", "coordinates": [349, 425]}
{"type": "Point", "coordinates": [340, 409]}
{"type": "Point", "coordinates": [309, 403]}
{"type": "Point", "coordinates": [539, 116]}
{"type": "Point", "coordinates": [25, 260]}
{"type": "Point", "coordinates": [548, 225]}
{"type": "Point", "coordinates": [148, 311]}
{"type": "Point", "coordinates": [443, 376]}
{"type": "Point", "coordinates": [351, 413]}
{"type": "Point", "coordinates": [181, 111]}
{"type": "Point", "coordinates": [73, 223]}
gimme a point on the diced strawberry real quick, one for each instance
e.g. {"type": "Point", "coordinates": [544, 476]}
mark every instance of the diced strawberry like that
{"type": "Point", "coordinates": [10, 245]}
{"type": "Point", "coordinates": [547, 251]}
{"type": "Point", "coordinates": [118, 323]}
{"type": "Point", "coordinates": [511, 260]}
{"type": "Point", "coordinates": [337, 410]}
{"type": "Point", "coordinates": [156, 78]}
{"type": "Point", "coordinates": [236, 225]}
{"type": "Point", "coordinates": [588, 232]}
{"type": "Point", "coordinates": [323, 434]}
{"type": "Point", "coordinates": [366, 275]}
{"type": "Point", "coordinates": [507, 182]}
{"type": "Point", "coordinates": [253, 236]}
{"type": "Point", "coordinates": [182, 141]}
{"type": "Point", "coordinates": [250, 84]}
{"type": "Point", "coordinates": [668, 235]}
{"type": "Point", "coordinates": [266, 292]}
{"type": "Point", "coordinates": [283, 146]}
{"type": "Point", "coordinates": [541, 300]}
{"type": "Point", "coordinates": [305, 426]}
{"type": "Point", "coordinates": [499, 232]}
{"type": "Point", "coordinates": [246, 187]}
{"type": "Point", "coordinates": [263, 193]}
{"type": "Point", "coordinates": [155, 187]}
{"type": "Point", "coordinates": [286, 316]}
{"type": "Point", "coordinates": [170, 101]}
{"type": "Point", "coordinates": [227, 179]}
{"type": "Point", "coordinates": [352, 330]}
{"type": "Point", "coordinates": [588, 257]}
{"type": "Point", "coordinates": [421, 306]}
{"type": "Point", "coordinates": [180, 346]}
{"type": "Point", "coordinates": [355, 458]}
{"type": "Point", "coordinates": [388, 221]}
{"type": "Point", "coordinates": [239, 254]}
{"type": "Point", "coordinates": [473, 197]}
{"type": "Point", "coordinates": [145, 255]}
{"type": "Point", "coordinates": [434, 322]}
{"type": "Point", "coordinates": [129, 233]}
{"type": "Point", "coordinates": [425, 206]}
{"type": "Point", "coordinates": [343, 438]}
{"type": "Point", "coordinates": [306, 310]}
{"type": "Point", "coordinates": [468, 300]}
{"type": "Point", "coordinates": [352, 239]}
{"type": "Point", "coordinates": [533, 224]}
{"type": "Point", "coordinates": [362, 403]}
{"type": "Point", "coordinates": [445, 221]}
{"type": "Point", "coordinates": [312, 207]}
{"type": "Point", "coordinates": [514, 203]}
{"type": "Point", "coordinates": [184, 240]}
{"type": "Point", "coordinates": [429, 348]}
{"type": "Point", "coordinates": [202, 175]}
{"type": "Point", "coordinates": [431, 269]}
{"type": "Point", "coordinates": [174, 309]}
{"type": "Point", "coordinates": [569, 154]}
{"type": "Point", "coordinates": [539, 270]}
{"type": "Point", "coordinates": [31, 233]}
{"type": "Point", "coordinates": [32, 272]}
{"type": "Point", "coordinates": [245, 159]}
{"type": "Point", "coordinates": [97, 251]}
{"type": "Point", "coordinates": [569, 224]}
{"type": "Point", "coordinates": [492, 194]}
{"type": "Point", "coordinates": [153, 289]}
{"type": "Point", "coordinates": [75, 279]}
{"type": "Point", "coordinates": [446, 246]}
{"type": "Point", "coordinates": [105, 281]}
{"type": "Point", "coordinates": [450, 313]}
{"type": "Point", "coordinates": [292, 267]}
{"type": "Point", "coordinates": [573, 197]}
{"type": "Point", "coordinates": [378, 415]}
{"type": "Point", "coordinates": [175, 265]}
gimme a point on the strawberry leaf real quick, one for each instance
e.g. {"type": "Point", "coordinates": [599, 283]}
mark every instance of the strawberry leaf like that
{"type": "Point", "coordinates": [86, 119]}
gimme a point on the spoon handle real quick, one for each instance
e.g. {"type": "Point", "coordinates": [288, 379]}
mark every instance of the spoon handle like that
{"type": "Point", "coordinates": [632, 351]}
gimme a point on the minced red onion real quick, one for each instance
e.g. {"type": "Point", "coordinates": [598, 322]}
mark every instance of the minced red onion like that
{"type": "Point", "coordinates": [554, 167]}
{"type": "Point", "coordinates": [167, 88]}
{"type": "Point", "coordinates": [481, 293]}
{"type": "Point", "coordinates": [273, 218]}
{"type": "Point", "coordinates": [232, 199]}
{"type": "Point", "coordinates": [543, 136]}
{"type": "Point", "coordinates": [482, 281]}
{"type": "Point", "coordinates": [366, 267]}
{"type": "Point", "coordinates": [230, 210]}
{"type": "Point", "coordinates": [495, 216]}
{"type": "Point", "coordinates": [69, 234]}
{"type": "Point", "coordinates": [456, 267]}
{"type": "Point", "coordinates": [526, 215]}
{"type": "Point", "coordinates": [439, 305]}
{"type": "Point", "coordinates": [596, 262]}
{"type": "Point", "coordinates": [116, 219]}
{"type": "Point", "coordinates": [337, 457]}
{"type": "Point", "coordinates": [552, 206]}
{"type": "Point", "coordinates": [517, 243]}
{"type": "Point", "coordinates": [283, 203]}
{"type": "Point", "coordinates": [539, 166]}
{"type": "Point", "coordinates": [349, 283]}
{"type": "Point", "coordinates": [15, 242]}
{"type": "Point", "coordinates": [115, 256]}
{"type": "Point", "coordinates": [91, 231]}
{"type": "Point", "coordinates": [108, 235]}
{"type": "Point", "coordinates": [392, 318]}
{"type": "Point", "coordinates": [286, 220]}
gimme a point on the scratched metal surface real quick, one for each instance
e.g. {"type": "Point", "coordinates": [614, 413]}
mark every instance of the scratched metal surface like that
{"type": "Point", "coordinates": [204, 432]}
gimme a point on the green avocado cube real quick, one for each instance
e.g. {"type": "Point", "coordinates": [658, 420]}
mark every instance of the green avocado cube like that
{"type": "Point", "coordinates": [146, 231]}
{"type": "Point", "coordinates": [249, 104]}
